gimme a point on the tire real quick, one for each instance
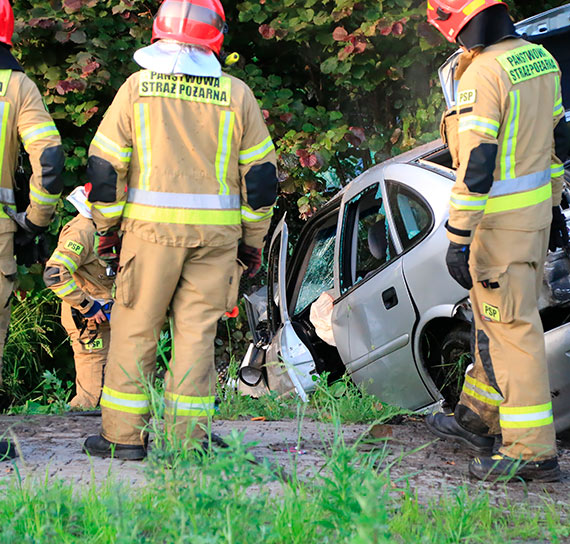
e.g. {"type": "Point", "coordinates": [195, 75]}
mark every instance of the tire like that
{"type": "Point", "coordinates": [455, 358]}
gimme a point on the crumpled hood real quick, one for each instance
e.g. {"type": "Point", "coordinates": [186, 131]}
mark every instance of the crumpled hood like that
{"type": "Point", "coordinates": [488, 27]}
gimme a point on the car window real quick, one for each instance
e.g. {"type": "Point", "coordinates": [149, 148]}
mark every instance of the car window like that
{"type": "Point", "coordinates": [318, 271]}
{"type": "Point", "coordinates": [367, 244]}
{"type": "Point", "coordinates": [412, 216]}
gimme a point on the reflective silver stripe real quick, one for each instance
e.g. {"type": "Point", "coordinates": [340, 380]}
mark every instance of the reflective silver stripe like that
{"type": "Point", "coordinates": [179, 405]}
{"type": "Point", "coordinates": [470, 203]}
{"type": "Point", "coordinates": [526, 417]}
{"type": "Point", "coordinates": [518, 185]}
{"type": "Point", "coordinates": [486, 394]}
{"type": "Point", "coordinates": [510, 141]}
{"type": "Point", "coordinates": [7, 196]}
{"type": "Point", "coordinates": [184, 200]}
{"type": "Point", "coordinates": [124, 402]}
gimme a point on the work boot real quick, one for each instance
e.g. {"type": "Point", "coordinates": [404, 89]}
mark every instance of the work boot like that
{"type": "Point", "coordinates": [501, 467]}
{"type": "Point", "coordinates": [101, 447]}
{"type": "Point", "coordinates": [213, 440]}
{"type": "Point", "coordinates": [445, 426]}
{"type": "Point", "coordinates": [7, 450]}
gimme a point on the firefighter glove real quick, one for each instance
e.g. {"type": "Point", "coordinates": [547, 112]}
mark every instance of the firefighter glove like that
{"type": "Point", "coordinates": [558, 230]}
{"type": "Point", "coordinates": [457, 260]}
{"type": "Point", "coordinates": [107, 248]}
{"type": "Point", "coordinates": [250, 257]}
{"type": "Point", "coordinates": [30, 244]}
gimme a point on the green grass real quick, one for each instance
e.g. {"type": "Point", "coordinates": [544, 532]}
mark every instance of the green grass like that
{"type": "Point", "coordinates": [224, 498]}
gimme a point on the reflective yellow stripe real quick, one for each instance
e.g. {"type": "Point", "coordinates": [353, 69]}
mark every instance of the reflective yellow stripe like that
{"type": "Point", "coordinates": [225, 132]}
{"type": "Point", "coordinates": [479, 124]}
{"type": "Point", "coordinates": [518, 200]}
{"type": "Point", "coordinates": [65, 289]}
{"type": "Point", "coordinates": [470, 8]}
{"type": "Point", "coordinates": [247, 214]}
{"type": "Point", "coordinates": [43, 197]}
{"type": "Point", "coordinates": [526, 416]}
{"type": "Point", "coordinates": [4, 114]}
{"type": "Point", "coordinates": [558, 107]}
{"type": "Point", "coordinates": [183, 405]}
{"type": "Point", "coordinates": [131, 403]}
{"type": "Point", "coordinates": [143, 143]}
{"type": "Point", "coordinates": [509, 149]}
{"type": "Point", "coordinates": [65, 261]}
{"type": "Point", "coordinates": [556, 170]}
{"type": "Point", "coordinates": [110, 210]}
{"type": "Point", "coordinates": [108, 146]}
{"type": "Point", "coordinates": [37, 132]}
{"type": "Point", "coordinates": [182, 216]}
{"type": "Point", "coordinates": [256, 152]}
{"type": "Point", "coordinates": [3, 214]}
{"type": "Point", "coordinates": [5, 76]}
{"type": "Point", "coordinates": [481, 391]}
{"type": "Point", "coordinates": [468, 202]}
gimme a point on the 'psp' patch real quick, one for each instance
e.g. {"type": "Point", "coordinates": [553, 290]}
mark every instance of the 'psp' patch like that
{"type": "Point", "coordinates": [491, 312]}
{"type": "Point", "coordinates": [74, 247]}
{"type": "Point", "coordinates": [96, 344]}
{"type": "Point", "coordinates": [467, 97]}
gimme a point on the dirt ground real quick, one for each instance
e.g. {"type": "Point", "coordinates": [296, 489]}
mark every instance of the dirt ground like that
{"type": "Point", "coordinates": [51, 445]}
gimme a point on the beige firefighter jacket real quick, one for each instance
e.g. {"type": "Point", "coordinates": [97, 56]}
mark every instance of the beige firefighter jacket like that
{"type": "Point", "coordinates": [24, 118]}
{"type": "Point", "coordinates": [501, 137]}
{"type": "Point", "coordinates": [73, 272]}
{"type": "Point", "coordinates": [183, 161]}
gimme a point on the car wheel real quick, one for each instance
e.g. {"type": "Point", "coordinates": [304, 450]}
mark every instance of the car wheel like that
{"type": "Point", "coordinates": [455, 358]}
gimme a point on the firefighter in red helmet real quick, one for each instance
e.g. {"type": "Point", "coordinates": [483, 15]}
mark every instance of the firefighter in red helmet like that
{"type": "Point", "coordinates": [184, 165]}
{"type": "Point", "coordinates": [508, 139]}
{"type": "Point", "coordinates": [23, 119]}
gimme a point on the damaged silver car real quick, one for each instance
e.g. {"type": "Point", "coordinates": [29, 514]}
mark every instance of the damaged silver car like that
{"type": "Point", "coordinates": [366, 290]}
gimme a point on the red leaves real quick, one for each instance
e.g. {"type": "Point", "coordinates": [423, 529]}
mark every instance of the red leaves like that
{"type": "Point", "coordinates": [267, 32]}
{"type": "Point", "coordinates": [340, 34]}
{"type": "Point", "coordinates": [89, 68]}
{"type": "Point", "coordinates": [68, 85]}
{"type": "Point", "coordinates": [356, 136]}
{"type": "Point", "coordinates": [265, 114]}
{"type": "Point", "coordinates": [286, 117]}
{"type": "Point", "coordinates": [309, 160]}
{"type": "Point", "coordinates": [72, 5]}
{"type": "Point", "coordinates": [41, 22]}
{"type": "Point", "coordinates": [357, 42]}
{"type": "Point", "coordinates": [385, 27]}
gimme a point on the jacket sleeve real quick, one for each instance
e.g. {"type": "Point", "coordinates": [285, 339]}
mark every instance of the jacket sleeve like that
{"type": "Point", "coordinates": [479, 110]}
{"type": "Point", "coordinates": [258, 172]}
{"type": "Point", "coordinates": [42, 142]}
{"type": "Point", "coordinates": [560, 145]}
{"type": "Point", "coordinates": [108, 164]}
{"type": "Point", "coordinates": [72, 251]}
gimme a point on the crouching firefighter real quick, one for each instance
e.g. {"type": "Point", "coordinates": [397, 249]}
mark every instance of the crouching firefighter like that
{"type": "Point", "coordinates": [184, 163]}
{"type": "Point", "coordinates": [23, 119]}
{"type": "Point", "coordinates": [507, 136]}
{"type": "Point", "coordinates": [84, 284]}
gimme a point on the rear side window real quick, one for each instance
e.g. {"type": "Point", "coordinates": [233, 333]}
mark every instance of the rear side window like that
{"type": "Point", "coordinates": [412, 216]}
{"type": "Point", "coordinates": [367, 245]}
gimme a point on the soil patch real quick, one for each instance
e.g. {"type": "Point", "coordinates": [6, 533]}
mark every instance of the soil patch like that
{"type": "Point", "coordinates": [51, 446]}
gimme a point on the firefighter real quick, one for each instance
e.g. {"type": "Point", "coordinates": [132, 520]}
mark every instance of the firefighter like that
{"type": "Point", "coordinates": [184, 164]}
{"type": "Point", "coordinates": [507, 135]}
{"type": "Point", "coordinates": [84, 284]}
{"type": "Point", "coordinates": [23, 118]}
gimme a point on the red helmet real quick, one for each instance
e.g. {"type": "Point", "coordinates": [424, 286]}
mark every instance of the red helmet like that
{"type": "Point", "coordinates": [6, 22]}
{"type": "Point", "coordinates": [197, 22]}
{"type": "Point", "coordinates": [450, 16]}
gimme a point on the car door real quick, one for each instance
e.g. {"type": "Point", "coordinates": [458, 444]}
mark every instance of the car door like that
{"type": "Point", "coordinates": [374, 316]}
{"type": "Point", "coordinates": [288, 362]}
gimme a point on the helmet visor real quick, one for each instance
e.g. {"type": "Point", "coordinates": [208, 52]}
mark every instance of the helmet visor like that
{"type": "Point", "coordinates": [173, 15]}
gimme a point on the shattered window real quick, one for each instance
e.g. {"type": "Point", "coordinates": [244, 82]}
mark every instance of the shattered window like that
{"type": "Point", "coordinates": [367, 244]}
{"type": "Point", "coordinates": [318, 275]}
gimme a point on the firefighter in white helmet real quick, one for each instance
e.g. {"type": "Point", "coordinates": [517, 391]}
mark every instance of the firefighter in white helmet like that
{"type": "Point", "coordinates": [507, 136]}
{"type": "Point", "coordinates": [184, 165]}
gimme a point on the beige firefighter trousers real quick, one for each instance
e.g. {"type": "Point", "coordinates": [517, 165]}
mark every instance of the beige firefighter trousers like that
{"type": "Point", "coordinates": [195, 286]}
{"type": "Point", "coordinates": [90, 355]}
{"type": "Point", "coordinates": [8, 271]}
{"type": "Point", "coordinates": [508, 386]}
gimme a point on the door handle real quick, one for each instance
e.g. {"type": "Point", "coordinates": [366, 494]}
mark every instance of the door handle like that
{"type": "Point", "coordinates": [390, 298]}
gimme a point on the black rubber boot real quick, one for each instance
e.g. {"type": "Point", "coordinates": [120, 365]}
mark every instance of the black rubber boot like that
{"type": "Point", "coordinates": [501, 468]}
{"type": "Point", "coordinates": [445, 426]}
{"type": "Point", "coordinates": [213, 440]}
{"type": "Point", "coordinates": [100, 447]}
{"type": "Point", "coordinates": [7, 451]}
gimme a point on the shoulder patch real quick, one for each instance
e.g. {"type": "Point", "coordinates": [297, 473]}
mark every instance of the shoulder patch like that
{"type": "Point", "coordinates": [527, 62]}
{"type": "Point", "coordinates": [467, 97]}
{"type": "Point", "coordinates": [75, 247]}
